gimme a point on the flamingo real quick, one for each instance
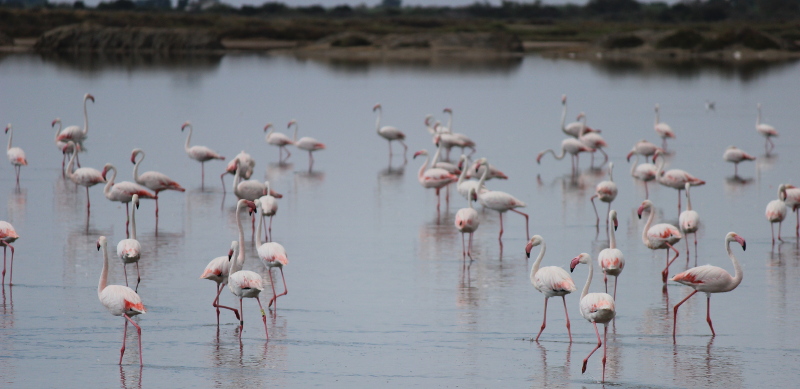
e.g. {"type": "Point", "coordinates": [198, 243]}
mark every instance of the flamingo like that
{"type": "Point", "coordinates": [388, 132]}
{"type": "Point", "coordinates": [494, 172]}
{"type": "Point", "coordinates": [644, 148]}
{"type": "Point", "coordinates": [119, 300]}
{"type": "Point", "coordinates": [76, 133]}
{"type": "Point", "coordinates": [462, 140]}
{"type": "Point", "coordinates": [272, 254]}
{"type": "Point", "coordinates": [569, 145]}
{"type": "Point", "coordinates": [644, 172]}
{"type": "Point", "coordinates": [444, 138]}
{"type": "Point", "coordinates": [552, 281]}
{"type": "Point", "coordinates": [15, 154]}
{"type": "Point", "coordinates": [592, 140]}
{"type": "Point", "coordinates": [436, 178]}
{"type": "Point", "coordinates": [793, 202]}
{"type": "Point", "coordinates": [500, 202]}
{"type": "Point", "coordinates": [306, 143]}
{"type": "Point", "coordinates": [249, 189]}
{"type": "Point", "coordinates": [437, 163]}
{"type": "Point", "coordinates": [675, 178]}
{"type": "Point", "coordinates": [199, 153]}
{"type": "Point", "coordinates": [689, 222]}
{"type": "Point", "coordinates": [776, 212]}
{"type": "Point", "coordinates": [663, 129]}
{"type": "Point", "coordinates": [596, 308]}
{"type": "Point", "coordinates": [611, 260]}
{"type": "Point", "coordinates": [606, 191]}
{"type": "Point", "coordinates": [464, 185]}
{"type": "Point", "coordinates": [710, 279]}
{"type": "Point", "coordinates": [130, 250]}
{"type": "Point", "coordinates": [155, 181]}
{"type": "Point", "coordinates": [659, 236]}
{"type": "Point", "coordinates": [62, 146]}
{"type": "Point", "coordinates": [278, 139]}
{"type": "Point", "coordinates": [84, 176]}
{"type": "Point", "coordinates": [123, 191]}
{"type": "Point", "coordinates": [573, 129]}
{"type": "Point", "coordinates": [269, 207]}
{"type": "Point", "coordinates": [245, 283]}
{"type": "Point", "coordinates": [248, 163]}
{"type": "Point", "coordinates": [217, 271]}
{"type": "Point", "coordinates": [8, 235]}
{"type": "Point", "coordinates": [765, 130]}
{"type": "Point", "coordinates": [467, 222]}
{"type": "Point", "coordinates": [735, 155]}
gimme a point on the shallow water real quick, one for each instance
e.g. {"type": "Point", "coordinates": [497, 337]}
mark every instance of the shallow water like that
{"type": "Point", "coordinates": [378, 292]}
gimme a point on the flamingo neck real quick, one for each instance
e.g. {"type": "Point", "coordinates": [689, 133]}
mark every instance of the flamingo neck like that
{"type": "Point", "coordinates": [584, 129]}
{"type": "Point", "coordinates": [237, 177]}
{"type": "Point", "coordinates": [538, 261]}
{"type": "Point", "coordinates": [422, 168]}
{"type": "Point", "coordinates": [85, 118]}
{"type": "Point", "coordinates": [110, 182]}
{"type": "Point", "coordinates": [378, 121]}
{"type": "Point", "coordinates": [136, 168]}
{"type": "Point", "coordinates": [484, 175]}
{"type": "Point", "coordinates": [465, 166]}
{"type": "Point", "coordinates": [612, 238]}
{"type": "Point", "coordinates": [237, 264]}
{"type": "Point", "coordinates": [71, 163]}
{"type": "Point", "coordinates": [758, 118]}
{"type": "Point", "coordinates": [133, 221]}
{"type": "Point", "coordinates": [437, 155]}
{"type": "Point", "coordinates": [58, 130]}
{"type": "Point", "coordinates": [294, 138]}
{"type": "Point", "coordinates": [738, 274]}
{"type": "Point", "coordinates": [188, 139]}
{"type": "Point", "coordinates": [633, 167]}
{"type": "Point", "coordinates": [10, 135]}
{"type": "Point", "coordinates": [610, 173]}
{"type": "Point", "coordinates": [103, 273]}
{"type": "Point", "coordinates": [450, 122]}
{"type": "Point", "coordinates": [588, 280]}
{"type": "Point", "coordinates": [260, 211]}
{"type": "Point", "coordinates": [647, 226]}
{"type": "Point", "coordinates": [564, 117]}
{"type": "Point", "coordinates": [688, 200]}
{"type": "Point", "coordinates": [563, 153]}
{"type": "Point", "coordinates": [660, 168]}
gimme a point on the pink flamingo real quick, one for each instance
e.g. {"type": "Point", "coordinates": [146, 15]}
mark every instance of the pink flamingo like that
{"type": "Point", "coordinates": [500, 201]}
{"type": "Point", "coordinates": [460, 139]}
{"type": "Point", "coordinates": [248, 163]}
{"type": "Point", "coordinates": [611, 260]}
{"type": "Point", "coordinates": [570, 145]}
{"type": "Point", "coordinates": [606, 191]}
{"type": "Point", "coordinates": [463, 185]}
{"type": "Point", "coordinates": [659, 236]}
{"type": "Point", "coordinates": [592, 140]}
{"type": "Point", "coordinates": [123, 191]}
{"type": "Point", "coordinates": [306, 143]}
{"type": "Point", "coordinates": [596, 308]}
{"type": "Point", "coordinates": [76, 133]}
{"type": "Point", "coordinates": [776, 212]}
{"type": "Point", "coordinates": [119, 300]}
{"type": "Point", "coordinates": [130, 250]}
{"type": "Point", "coordinates": [199, 153]}
{"type": "Point", "coordinates": [217, 271]}
{"type": "Point", "coordinates": [278, 139]}
{"type": "Point", "coordinates": [644, 172]}
{"type": "Point", "coordinates": [15, 154]}
{"type": "Point", "coordinates": [663, 129]}
{"type": "Point", "coordinates": [765, 130]}
{"type": "Point", "coordinates": [573, 129]}
{"type": "Point", "coordinates": [389, 133]}
{"type": "Point", "coordinates": [436, 178]}
{"type": "Point", "coordinates": [155, 181]}
{"type": "Point", "coordinates": [85, 176]}
{"type": "Point", "coordinates": [273, 255]}
{"type": "Point", "coordinates": [62, 146]}
{"type": "Point", "coordinates": [245, 283]}
{"type": "Point", "coordinates": [269, 207]}
{"type": "Point", "coordinates": [494, 172]}
{"type": "Point", "coordinates": [689, 221]}
{"type": "Point", "coordinates": [675, 178]}
{"type": "Point", "coordinates": [8, 235]}
{"type": "Point", "coordinates": [467, 222]}
{"type": "Point", "coordinates": [710, 279]}
{"type": "Point", "coordinates": [735, 155]}
{"type": "Point", "coordinates": [793, 202]}
{"type": "Point", "coordinates": [644, 148]}
{"type": "Point", "coordinates": [551, 281]}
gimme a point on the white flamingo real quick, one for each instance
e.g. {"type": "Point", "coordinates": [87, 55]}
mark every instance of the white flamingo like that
{"type": "Point", "coordinates": [644, 172]}
{"type": "Point", "coordinates": [278, 139]}
{"type": "Point", "coordinates": [776, 212]}
{"type": "Point", "coordinates": [611, 259]}
{"type": "Point", "coordinates": [765, 130]}
{"type": "Point", "coordinates": [735, 155]}
{"type": "Point", "coordinates": [389, 133]}
{"type": "Point", "coordinates": [245, 283]}
{"type": "Point", "coordinates": [199, 153]}
{"type": "Point", "coordinates": [500, 202]}
{"type": "Point", "coordinates": [592, 140]}
{"type": "Point", "coordinates": [269, 207]}
{"type": "Point", "coordinates": [155, 181]}
{"type": "Point", "coordinates": [467, 222]}
{"type": "Point", "coordinates": [659, 236]}
{"type": "Point", "coordinates": [551, 281]}
{"type": "Point", "coordinates": [570, 145]}
{"type": "Point", "coordinates": [85, 176]}
{"type": "Point", "coordinates": [606, 191]}
{"type": "Point", "coordinates": [436, 178]}
{"type": "Point", "coordinates": [573, 129]}
{"type": "Point", "coordinates": [644, 148]}
{"type": "Point", "coordinates": [662, 129]}
{"type": "Point", "coordinates": [15, 154]}
{"type": "Point", "coordinates": [306, 143]}
{"type": "Point", "coordinates": [689, 221]}
{"type": "Point", "coordinates": [122, 191]}
{"type": "Point", "coordinates": [217, 271]}
{"type": "Point", "coordinates": [248, 163]}
{"type": "Point", "coordinates": [76, 133]}
{"type": "Point", "coordinates": [63, 146]}
{"type": "Point", "coordinates": [130, 250]}
{"type": "Point", "coordinates": [272, 255]}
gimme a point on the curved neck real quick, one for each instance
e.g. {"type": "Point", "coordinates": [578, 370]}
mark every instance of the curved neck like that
{"type": "Point", "coordinates": [463, 175]}
{"type": "Point", "coordinates": [484, 175]}
{"type": "Point", "coordinates": [423, 167]}
{"type": "Point", "coordinates": [659, 168]}
{"type": "Point", "coordinates": [437, 155]}
{"type": "Point", "coordinates": [110, 182]}
{"type": "Point", "coordinates": [737, 268]}
{"type": "Point", "coordinates": [237, 264]}
{"type": "Point", "coordinates": [378, 121]}
{"type": "Point", "coordinates": [538, 261]}
{"type": "Point", "coordinates": [647, 225]}
{"type": "Point", "coordinates": [237, 177]}
{"type": "Point", "coordinates": [260, 210]}
{"type": "Point", "coordinates": [103, 273]}
{"type": "Point", "coordinates": [610, 173]}
{"type": "Point", "coordinates": [10, 135]}
{"type": "Point", "coordinates": [583, 129]}
{"type": "Point", "coordinates": [85, 118]}
{"type": "Point", "coordinates": [71, 163]}
{"type": "Point", "coordinates": [58, 130]}
{"type": "Point", "coordinates": [294, 138]}
{"type": "Point", "coordinates": [188, 138]}
{"type": "Point", "coordinates": [588, 280]}
{"type": "Point", "coordinates": [657, 120]}
{"type": "Point", "coordinates": [633, 167]}
{"type": "Point", "coordinates": [136, 167]}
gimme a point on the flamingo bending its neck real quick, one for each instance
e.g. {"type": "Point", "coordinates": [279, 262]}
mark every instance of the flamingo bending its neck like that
{"type": "Point", "coordinates": [130, 250]}
{"type": "Point", "coordinates": [84, 176]}
{"type": "Point", "coordinates": [551, 281]}
{"type": "Point", "coordinates": [436, 178]}
{"type": "Point", "coordinates": [659, 236]}
{"type": "Point", "coordinates": [248, 163]}
{"type": "Point", "coordinates": [570, 145]}
{"type": "Point", "coordinates": [644, 172]}
{"type": "Point", "coordinates": [273, 255]}
{"type": "Point", "coordinates": [606, 191]}
{"type": "Point", "coordinates": [217, 271]}
{"type": "Point", "coordinates": [62, 146]}
{"type": "Point", "coordinates": [644, 148]}
{"type": "Point", "coordinates": [596, 308]}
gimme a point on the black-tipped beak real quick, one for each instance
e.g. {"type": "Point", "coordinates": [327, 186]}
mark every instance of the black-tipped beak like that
{"type": "Point", "coordinates": [615, 227]}
{"type": "Point", "coordinates": [571, 269]}
{"type": "Point", "coordinates": [744, 246]}
{"type": "Point", "coordinates": [230, 254]}
{"type": "Point", "coordinates": [527, 254]}
{"type": "Point", "coordinates": [98, 247]}
{"type": "Point", "coordinates": [137, 205]}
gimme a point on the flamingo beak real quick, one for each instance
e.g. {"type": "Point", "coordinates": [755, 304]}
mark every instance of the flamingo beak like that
{"type": "Point", "coordinates": [639, 211]}
{"type": "Point", "coordinates": [418, 153]}
{"type": "Point", "coordinates": [90, 97]}
{"type": "Point", "coordinates": [528, 248]}
{"type": "Point", "coordinates": [616, 224]}
{"type": "Point", "coordinates": [133, 159]}
{"type": "Point", "coordinates": [741, 241]}
{"type": "Point", "coordinates": [230, 254]}
{"type": "Point", "coordinates": [53, 124]}
{"type": "Point", "coordinates": [137, 204]}
{"type": "Point", "coordinates": [98, 245]}
{"type": "Point", "coordinates": [628, 158]}
{"type": "Point", "coordinates": [574, 263]}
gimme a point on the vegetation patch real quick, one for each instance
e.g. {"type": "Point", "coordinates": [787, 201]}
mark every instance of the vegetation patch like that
{"type": "Point", "coordinates": [681, 39]}
{"type": "Point", "coordinates": [622, 42]}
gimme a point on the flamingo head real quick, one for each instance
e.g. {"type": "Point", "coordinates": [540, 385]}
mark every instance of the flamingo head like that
{"type": "Point", "coordinates": [613, 216]}
{"type": "Point", "coordinates": [782, 192]}
{"type": "Point", "coordinates": [88, 96]}
{"type": "Point", "coordinates": [56, 120]}
{"type": "Point", "coordinates": [291, 122]}
{"type": "Point", "coordinates": [135, 200]}
{"type": "Point", "coordinates": [656, 107]}
{"type": "Point", "coordinates": [563, 99]}
{"type": "Point", "coordinates": [479, 162]}
{"type": "Point", "coordinates": [647, 204]}
{"type": "Point", "coordinates": [448, 110]}
{"type": "Point", "coordinates": [436, 138]}
{"type": "Point", "coordinates": [656, 155]}
{"type": "Point", "coordinates": [134, 153]}
{"type": "Point", "coordinates": [428, 119]}
{"type": "Point", "coordinates": [539, 158]}
{"type": "Point", "coordinates": [628, 157]}
{"type": "Point", "coordinates": [535, 241]}
{"type": "Point", "coordinates": [376, 107]}
{"type": "Point", "coordinates": [8, 127]}
{"type": "Point", "coordinates": [421, 152]}
{"type": "Point", "coordinates": [234, 247]}
{"type": "Point", "coordinates": [732, 236]}
{"type": "Point", "coordinates": [583, 258]}
{"type": "Point", "coordinates": [251, 206]}
{"type": "Point", "coordinates": [580, 116]}
{"type": "Point", "coordinates": [473, 194]}
{"type": "Point", "coordinates": [275, 194]}
{"type": "Point", "coordinates": [186, 124]}
{"type": "Point", "coordinates": [106, 168]}
{"type": "Point", "coordinates": [101, 241]}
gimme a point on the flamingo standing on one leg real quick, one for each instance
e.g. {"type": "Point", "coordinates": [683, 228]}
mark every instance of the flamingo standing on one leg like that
{"type": "Point", "coordinates": [663, 129]}
{"type": "Point", "coordinates": [8, 235]}
{"type": "Point", "coordinates": [611, 260]}
{"type": "Point", "coordinates": [278, 139]}
{"type": "Point", "coordinates": [76, 133]}
{"type": "Point", "coordinates": [199, 153]}
{"type": "Point", "coordinates": [389, 133]}
{"type": "Point", "coordinates": [306, 143]}
{"type": "Point", "coordinates": [119, 300]}
{"type": "Point", "coordinates": [155, 181]}
{"type": "Point", "coordinates": [659, 236]}
{"type": "Point", "coordinates": [217, 271]}
{"type": "Point", "coordinates": [62, 146]}
{"type": "Point", "coordinates": [644, 172]}
{"type": "Point", "coordinates": [765, 130]}
{"type": "Point", "coordinates": [15, 154]}
{"type": "Point", "coordinates": [596, 308]}
{"type": "Point", "coordinates": [123, 191]}
{"type": "Point", "coordinates": [245, 283]}
{"type": "Point", "coordinates": [269, 207]}
{"type": "Point", "coordinates": [793, 202]}
{"type": "Point", "coordinates": [130, 250]}
{"type": "Point", "coordinates": [735, 155]}
{"type": "Point", "coordinates": [606, 191]}
{"type": "Point", "coordinates": [776, 212]}
{"type": "Point", "coordinates": [248, 163]}
{"type": "Point", "coordinates": [570, 145]}
{"type": "Point", "coordinates": [272, 254]}
{"type": "Point", "coordinates": [500, 201]}
{"type": "Point", "coordinates": [689, 221]}
{"type": "Point", "coordinates": [552, 281]}
{"type": "Point", "coordinates": [675, 178]}
{"type": "Point", "coordinates": [710, 279]}
{"type": "Point", "coordinates": [84, 176]}
{"type": "Point", "coordinates": [436, 178]}
{"type": "Point", "coordinates": [467, 222]}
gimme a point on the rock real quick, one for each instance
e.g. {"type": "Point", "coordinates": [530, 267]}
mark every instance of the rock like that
{"type": "Point", "coordinates": [97, 38]}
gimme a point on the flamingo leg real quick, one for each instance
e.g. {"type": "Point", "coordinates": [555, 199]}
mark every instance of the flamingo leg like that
{"type": "Point", "coordinates": [527, 225]}
{"type": "Point", "coordinates": [11, 267]}
{"type": "Point", "coordinates": [469, 247]}
{"type": "Point", "coordinates": [616, 279]}
{"type": "Point", "coordinates": [544, 319]}
{"type": "Point", "coordinates": [17, 168]}
{"type": "Point", "coordinates": [241, 319]}
{"type": "Point", "coordinates": [463, 247]}
{"type": "Point", "coordinates": [269, 229]}
{"type": "Point", "coordinates": [310, 161]}
{"type": "Point", "coordinates": [605, 348]}
{"type": "Point", "coordinates": [772, 229]}
{"type": "Point", "coordinates": [63, 159]}
{"type": "Point", "coordinates": [4, 264]}
{"type": "Point", "coordinates": [125, 272]}
{"type": "Point", "coordinates": [202, 174]}
{"type": "Point", "coordinates": [438, 200]}
{"type": "Point", "coordinates": [679, 201]}
{"type": "Point", "coordinates": [797, 228]}
{"type": "Point", "coordinates": [566, 313]}
{"type": "Point", "coordinates": [222, 178]}
{"type": "Point", "coordinates": [595, 210]}
{"type": "Point", "coordinates": [263, 317]}
{"type": "Point", "coordinates": [599, 343]}
{"type": "Point", "coordinates": [605, 156]}
{"type": "Point", "coordinates": [780, 223]}
{"type": "Point", "coordinates": [605, 280]}
{"type": "Point", "coordinates": [708, 314]}
{"type": "Point", "coordinates": [77, 158]}
{"type": "Point", "coordinates": [216, 301]}
{"type": "Point", "coordinates": [138, 277]}
{"type": "Point", "coordinates": [500, 238]}
{"type": "Point", "coordinates": [88, 205]}
{"type": "Point", "coordinates": [675, 314]}
{"type": "Point", "coordinates": [665, 273]}
{"type": "Point", "coordinates": [687, 249]}
{"type": "Point", "coordinates": [274, 295]}
{"type": "Point", "coordinates": [156, 204]}
{"type": "Point", "coordinates": [124, 336]}
{"type": "Point", "coordinates": [138, 332]}
{"type": "Point", "coordinates": [285, 289]}
{"type": "Point", "coordinates": [218, 306]}
{"type": "Point", "coordinates": [390, 150]}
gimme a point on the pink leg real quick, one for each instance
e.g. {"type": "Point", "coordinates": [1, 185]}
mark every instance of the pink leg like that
{"type": "Point", "coordinates": [241, 319]}
{"type": "Point", "coordinates": [63, 159]}
{"type": "Point", "coordinates": [390, 150]}
{"type": "Point", "coordinates": [217, 305]}
{"type": "Point", "coordinates": [500, 238]}
{"type": "Point", "coordinates": [11, 267]}
{"type": "Point", "coordinates": [285, 289]}
{"type": "Point", "coordinates": [780, 223]}
{"type": "Point", "coordinates": [595, 210]}
{"type": "Point", "coordinates": [772, 229]}
{"type": "Point", "coordinates": [88, 205]}
{"type": "Point", "coordinates": [437, 200]}
{"type": "Point", "coordinates": [263, 317]}
{"type": "Point", "coordinates": [222, 178]}
{"type": "Point", "coordinates": [274, 295]}
{"type": "Point", "coordinates": [686, 238]}
{"type": "Point", "coordinates": [679, 201]}
{"type": "Point", "coordinates": [4, 264]}
{"type": "Point", "coordinates": [797, 229]}
{"type": "Point", "coordinates": [463, 247]}
{"type": "Point", "coordinates": [544, 320]}
{"type": "Point", "coordinates": [310, 161]}
{"type": "Point", "coordinates": [138, 277]}
{"type": "Point", "coordinates": [599, 343]}
{"type": "Point", "coordinates": [708, 314]}
{"type": "Point", "coordinates": [124, 336]}
{"type": "Point", "coordinates": [202, 174]}
{"type": "Point", "coordinates": [157, 204]}
{"type": "Point", "coordinates": [605, 280]}
{"type": "Point", "coordinates": [138, 332]}
{"type": "Point", "coordinates": [605, 348]}
{"type": "Point", "coordinates": [616, 279]}
{"type": "Point", "coordinates": [675, 314]}
{"type": "Point", "coordinates": [665, 273]}
{"type": "Point", "coordinates": [469, 247]}
{"type": "Point", "coordinates": [527, 230]}
{"type": "Point", "coordinates": [125, 272]}
{"type": "Point", "coordinates": [566, 313]}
